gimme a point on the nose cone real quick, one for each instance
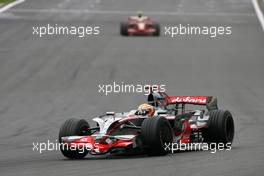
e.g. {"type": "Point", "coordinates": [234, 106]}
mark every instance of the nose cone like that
{"type": "Point", "coordinates": [141, 26]}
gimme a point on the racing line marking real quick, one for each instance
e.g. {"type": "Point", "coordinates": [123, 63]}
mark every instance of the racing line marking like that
{"type": "Point", "coordinates": [10, 5]}
{"type": "Point", "coordinates": [259, 12]}
{"type": "Point", "coordinates": [107, 12]}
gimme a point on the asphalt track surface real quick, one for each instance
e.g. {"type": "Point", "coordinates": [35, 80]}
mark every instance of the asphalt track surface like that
{"type": "Point", "coordinates": [44, 81]}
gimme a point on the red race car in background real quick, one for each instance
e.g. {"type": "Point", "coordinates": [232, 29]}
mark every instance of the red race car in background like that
{"type": "Point", "coordinates": [139, 25]}
{"type": "Point", "coordinates": [132, 131]}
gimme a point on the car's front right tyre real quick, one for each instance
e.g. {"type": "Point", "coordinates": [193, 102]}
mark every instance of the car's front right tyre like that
{"type": "Point", "coordinates": [73, 127]}
{"type": "Point", "coordinates": [123, 29]}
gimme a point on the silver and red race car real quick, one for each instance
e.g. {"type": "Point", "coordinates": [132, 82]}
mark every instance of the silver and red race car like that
{"type": "Point", "coordinates": [130, 131]}
{"type": "Point", "coordinates": [140, 26]}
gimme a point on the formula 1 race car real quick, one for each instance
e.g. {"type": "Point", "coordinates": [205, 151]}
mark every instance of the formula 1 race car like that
{"type": "Point", "coordinates": [171, 122]}
{"type": "Point", "coordinates": [139, 25]}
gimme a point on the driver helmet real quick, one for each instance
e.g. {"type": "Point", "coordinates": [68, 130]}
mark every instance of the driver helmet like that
{"type": "Point", "coordinates": [146, 110]}
{"type": "Point", "coordinates": [139, 14]}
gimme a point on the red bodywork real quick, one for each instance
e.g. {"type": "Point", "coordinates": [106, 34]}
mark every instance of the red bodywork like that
{"type": "Point", "coordinates": [89, 143]}
{"type": "Point", "coordinates": [144, 26]}
{"type": "Point", "coordinates": [104, 144]}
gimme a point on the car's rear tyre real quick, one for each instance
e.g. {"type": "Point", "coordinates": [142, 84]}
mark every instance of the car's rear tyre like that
{"type": "Point", "coordinates": [73, 127]}
{"type": "Point", "coordinates": [123, 29]}
{"type": "Point", "coordinates": [220, 127]}
{"type": "Point", "coordinates": [157, 28]}
{"type": "Point", "coordinates": [156, 133]}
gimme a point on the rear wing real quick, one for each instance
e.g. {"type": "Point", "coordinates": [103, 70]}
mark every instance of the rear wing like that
{"type": "Point", "coordinates": [209, 101]}
{"type": "Point", "coordinates": [158, 97]}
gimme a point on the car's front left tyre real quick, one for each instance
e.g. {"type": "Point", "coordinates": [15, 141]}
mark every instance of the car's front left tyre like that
{"type": "Point", "coordinates": [157, 29]}
{"type": "Point", "coordinates": [156, 133]}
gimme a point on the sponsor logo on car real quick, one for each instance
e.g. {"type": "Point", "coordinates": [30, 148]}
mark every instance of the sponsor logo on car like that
{"type": "Point", "coordinates": [189, 99]}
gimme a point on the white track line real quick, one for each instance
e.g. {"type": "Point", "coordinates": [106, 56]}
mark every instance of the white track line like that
{"type": "Point", "coordinates": [10, 5]}
{"type": "Point", "coordinates": [259, 13]}
{"type": "Point", "coordinates": [107, 12]}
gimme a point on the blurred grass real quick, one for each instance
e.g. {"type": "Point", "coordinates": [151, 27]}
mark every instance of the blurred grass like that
{"type": "Point", "coordinates": [6, 1]}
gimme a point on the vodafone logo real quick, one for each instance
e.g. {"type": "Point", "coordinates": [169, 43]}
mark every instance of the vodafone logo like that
{"type": "Point", "coordinates": [189, 99]}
